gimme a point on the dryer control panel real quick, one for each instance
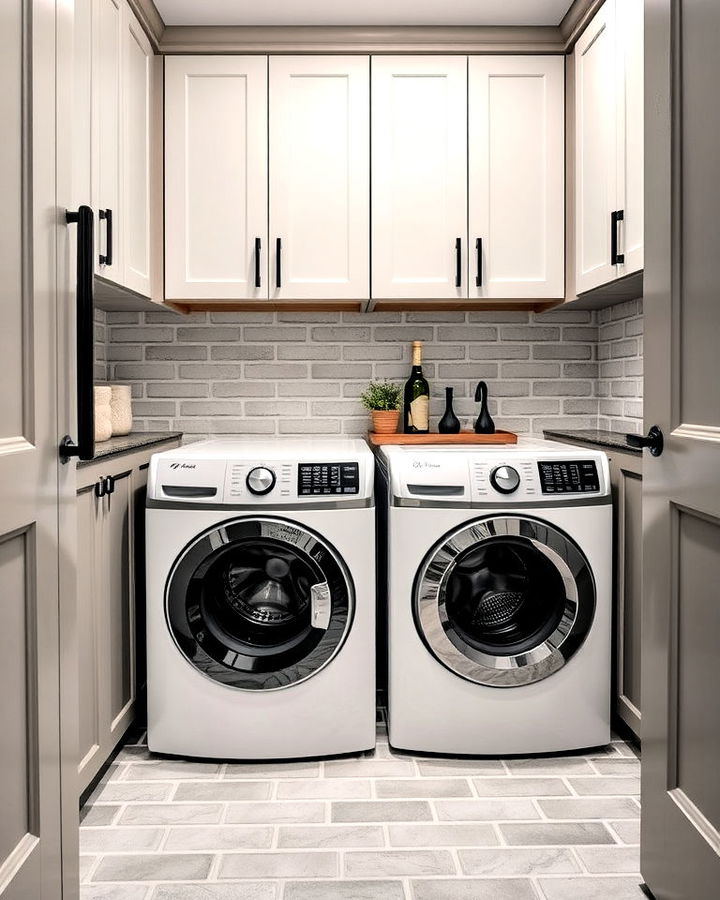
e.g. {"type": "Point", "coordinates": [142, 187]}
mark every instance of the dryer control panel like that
{"type": "Point", "coordinates": [562, 477]}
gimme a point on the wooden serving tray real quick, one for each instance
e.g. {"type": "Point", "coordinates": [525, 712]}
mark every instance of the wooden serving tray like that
{"type": "Point", "coordinates": [463, 437]}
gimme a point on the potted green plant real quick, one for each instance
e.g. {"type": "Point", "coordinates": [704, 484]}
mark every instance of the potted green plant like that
{"type": "Point", "coordinates": [382, 398]}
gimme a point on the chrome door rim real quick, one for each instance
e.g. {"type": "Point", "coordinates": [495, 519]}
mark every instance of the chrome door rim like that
{"type": "Point", "coordinates": [511, 670]}
{"type": "Point", "coordinates": [195, 553]}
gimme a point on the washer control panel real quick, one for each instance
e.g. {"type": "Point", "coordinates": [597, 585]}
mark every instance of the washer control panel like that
{"type": "Point", "coordinates": [328, 478]}
{"type": "Point", "coordinates": [568, 477]}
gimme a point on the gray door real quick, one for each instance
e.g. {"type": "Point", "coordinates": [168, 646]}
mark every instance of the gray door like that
{"type": "Point", "coordinates": [681, 488]}
{"type": "Point", "coordinates": [30, 786]}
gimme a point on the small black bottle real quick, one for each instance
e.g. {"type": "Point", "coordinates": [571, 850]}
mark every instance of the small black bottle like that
{"type": "Point", "coordinates": [449, 424]}
{"type": "Point", "coordinates": [484, 423]}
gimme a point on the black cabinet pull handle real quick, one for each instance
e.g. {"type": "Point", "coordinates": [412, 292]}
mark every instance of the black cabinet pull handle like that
{"type": "Point", "coordinates": [278, 263]}
{"type": "Point", "coordinates": [257, 262]}
{"type": "Point", "coordinates": [85, 350]}
{"type": "Point", "coordinates": [615, 257]}
{"type": "Point", "coordinates": [478, 277]}
{"type": "Point", "coordinates": [458, 262]}
{"type": "Point", "coordinates": [654, 441]}
{"type": "Point", "coordinates": [106, 260]}
{"type": "Point", "coordinates": [100, 487]}
{"type": "Point", "coordinates": [109, 484]}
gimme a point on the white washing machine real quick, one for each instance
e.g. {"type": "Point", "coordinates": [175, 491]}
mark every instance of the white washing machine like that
{"type": "Point", "coordinates": [499, 598]}
{"type": "Point", "coordinates": [261, 599]}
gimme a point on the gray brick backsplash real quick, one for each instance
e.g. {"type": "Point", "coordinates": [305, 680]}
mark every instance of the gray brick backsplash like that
{"type": "Point", "coordinates": [302, 373]}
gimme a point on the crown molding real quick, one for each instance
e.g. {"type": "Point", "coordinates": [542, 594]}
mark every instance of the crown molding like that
{"type": "Point", "coordinates": [178, 39]}
{"type": "Point", "coordinates": [576, 19]}
{"type": "Point", "coordinates": [150, 19]}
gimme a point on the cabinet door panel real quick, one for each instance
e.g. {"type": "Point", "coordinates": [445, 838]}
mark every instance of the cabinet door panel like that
{"type": "Point", "coordinates": [215, 176]}
{"type": "Point", "coordinates": [137, 87]}
{"type": "Point", "coordinates": [117, 549]}
{"type": "Point", "coordinates": [107, 16]}
{"type": "Point", "coordinates": [319, 176]}
{"type": "Point", "coordinates": [631, 129]}
{"type": "Point", "coordinates": [596, 148]}
{"type": "Point", "coordinates": [516, 176]}
{"type": "Point", "coordinates": [419, 176]}
{"type": "Point", "coordinates": [89, 519]}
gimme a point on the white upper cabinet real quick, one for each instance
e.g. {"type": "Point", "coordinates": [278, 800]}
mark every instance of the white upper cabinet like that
{"type": "Point", "coordinates": [319, 150]}
{"type": "Point", "coordinates": [516, 177]}
{"type": "Point", "coordinates": [609, 145]}
{"type": "Point", "coordinates": [216, 221]}
{"type": "Point", "coordinates": [419, 177]}
{"type": "Point", "coordinates": [137, 84]}
{"type": "Point", "coordinates": [106, 76]}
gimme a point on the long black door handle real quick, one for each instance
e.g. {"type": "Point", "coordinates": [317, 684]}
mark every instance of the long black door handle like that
{"type": "Point", "coordinates": [278, 263]}
{"type": "Point", "coordinates": [85, 350]}
{"type": "Point", "coordinates": [106, 214]}
{"type": "Point", "coordinates": [458, 262]}
{"type": "Point", "coordinates": [258, 247]}
{"type": "Point", "coordinates": [478, 248]}
{"type": "Point", "coordinates": [615, 257]}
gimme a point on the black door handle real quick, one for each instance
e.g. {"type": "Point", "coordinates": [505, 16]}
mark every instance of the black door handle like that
{"type": "Point", "coordinates": [278, 263]}
{"type": "Point", "coordinates": [257, 262]}
{"type": "Point", "coordinates": [85, 350]}
{"type": "Point", "coordinates": [653, 441]}
{"type": "Point", "coordinates": [458, 262]}
{"type": "Point", "coordinates": [615, 257]}
{"type": "Point", "coordinates": [100, 488]}
{"type": "Point", "coordinates": [478, 277]}
{"type": "Point", "coordinates": [106, 214]}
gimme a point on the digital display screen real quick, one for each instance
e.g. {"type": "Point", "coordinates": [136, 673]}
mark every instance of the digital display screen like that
{"type": "Point", "coordinates": [328, 478]}
{"type": "Point", "coordinates": [569, 477]}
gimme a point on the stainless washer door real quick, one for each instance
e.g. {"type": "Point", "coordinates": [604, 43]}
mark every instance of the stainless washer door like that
{"type": "Point", "coordinates": [259, 603]}
{"type": "Point", "coordinates": [504, 600]}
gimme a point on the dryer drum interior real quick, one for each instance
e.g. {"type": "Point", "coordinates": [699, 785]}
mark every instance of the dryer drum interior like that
{"type": "Point", "coordinates": [504, 600]}
{"type": "Point", "coordinates": [259, 603]}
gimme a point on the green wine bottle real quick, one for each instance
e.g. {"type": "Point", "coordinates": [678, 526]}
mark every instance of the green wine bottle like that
{"type": "Point", "coordinates": [416, 409]}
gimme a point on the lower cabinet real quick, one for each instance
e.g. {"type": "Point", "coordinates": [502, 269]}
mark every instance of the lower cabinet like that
{"type": "Point", "coordinates": [626, 483]}
{"type": "Point", "coordinates": [110, 603]}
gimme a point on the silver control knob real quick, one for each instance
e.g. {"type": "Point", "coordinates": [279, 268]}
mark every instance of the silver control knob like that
{"type": "Point", "coordinates": [505, 479]}
{"type": "Point", "coordinates": [260, 480]}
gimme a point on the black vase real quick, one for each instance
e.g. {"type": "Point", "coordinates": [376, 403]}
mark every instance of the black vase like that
{"type": "Point", "coordinates": [449, 424]}
{"type": "Point", "coordinates": [484, 423]}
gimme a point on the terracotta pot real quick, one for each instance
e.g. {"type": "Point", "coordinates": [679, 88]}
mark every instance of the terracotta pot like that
{"type": "Point", "coordinates": [385, 421]}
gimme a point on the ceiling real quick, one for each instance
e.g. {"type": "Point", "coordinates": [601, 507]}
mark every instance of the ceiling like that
{"type": "Point", "coordinates": [363, 12]}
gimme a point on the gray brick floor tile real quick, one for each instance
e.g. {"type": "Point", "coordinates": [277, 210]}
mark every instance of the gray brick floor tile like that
{"type": "Point", "coordinates": [272, 770]}
{"type": "Point", "coordinates": [628, 830]}
{"type": "Point", "coordinates": [419, 788]}
{"type": "Point", "coordinates": [238, 890]}
{"type": "Point", "coordinates": [606, 860]}
{"type": "Point", "coordinates": [382, 811]}
{"type": "Point", "coordinates": [153, 867]}
{"type": "Point", "coordinates": [86, 865]}
{"type": "Point", "coordinates": [520, 787]}
{"type": "Point", "coordinates": [98, 815]}
{"type": "Point", "coordinates": [591, 888]}
{"type": "Point", "coordinates": [474, 889]}
{"type": "Point", "coordinates": [111, 840]}
{"type": "Point", "coordinates": [369, 767]}
{"type": "Point", "coordinates": [555, 833]}
{"type": "Point", "coordinates": [619, 766]}
{"type": "Point", "coordinates": [274, 813]}
{"type": "Point", "coordinates": [224, 791]}
{"type": "Point", "coordinates": [170, 770]}
{"type": "Point", "coordinates": [443, 834]}
{"type": "Point", "coordinates": [319, 836]}
{"type": "Point", "coordinates": [120, 791]}
{"type": "Point", "coordinates": [279, 865]}
{"type": "Point", "coordinates": [344, 890]}
{"type": "Point", "coordinates": [434, 767]}
{"type": "Point", "coordinates": [590, 808]}
{"type": "Point", "coordinates": [325, 789]}
{"type": "Point", "coordinates": [485, 810]}
{"type": "Point", "coordinates": [171, 814]}
{"type": "Point", "coordinates": [550, 765]}
{"type": "Point", "coordinates": [220, 837]}
{"type": "Point", "coordinates": [359, 864]}
{"type": "Point", "coordinates": [604, 787]}
{"type": "Point", "coordinates": [523, 861]}
{"type": "Point", "coordinates": [114, 891]}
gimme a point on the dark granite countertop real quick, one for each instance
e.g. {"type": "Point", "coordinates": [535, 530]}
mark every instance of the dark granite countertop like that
{"type": "Point", "coordinates": [128, 442]}
{"type": "Point", "coordinates": [614, 440]}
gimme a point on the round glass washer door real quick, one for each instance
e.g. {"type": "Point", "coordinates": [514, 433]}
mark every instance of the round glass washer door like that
{"type": "Point", "coordinates": [259, 603]}
{"type": "Point", "coordinates": [504, 600]}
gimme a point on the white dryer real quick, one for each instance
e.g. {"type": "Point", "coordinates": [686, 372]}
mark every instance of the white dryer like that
{"type": "Point", "coordinates": [261, 599]}
{"type": "Point", "coordinates": [499, 598]}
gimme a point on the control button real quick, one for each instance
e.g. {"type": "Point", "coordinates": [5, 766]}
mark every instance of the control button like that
{"type": "Point", "coordinates": [260, 480]}
{"type": "Point", "coordinates": [505, 479]}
